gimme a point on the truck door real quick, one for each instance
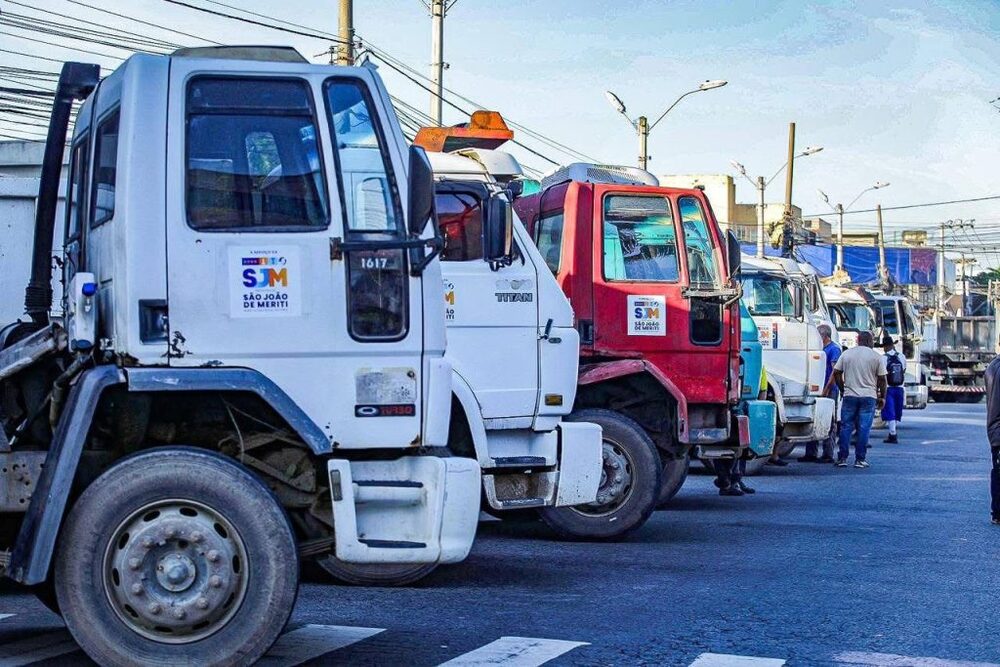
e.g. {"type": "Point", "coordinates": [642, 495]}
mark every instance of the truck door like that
{"type": "Point", "coordinates": [492, 315]}
{"type": "Point", "coordinates": [266, 174]}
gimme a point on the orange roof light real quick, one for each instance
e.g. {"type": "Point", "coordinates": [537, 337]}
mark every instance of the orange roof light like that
{"type": "Point", "coordinates": [486, 129]}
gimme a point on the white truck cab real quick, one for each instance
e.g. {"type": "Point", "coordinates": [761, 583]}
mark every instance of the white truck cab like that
{"type": "Point", "coordinates": [513, 347]}
{"type": "Point", "coordinates": [852, 313]}
{"type": "Point", "coordinates": [780, 298]}
{"type": "Point", "coordinates": [251, 367]}
{"type": "Point", "coordinates": [899, 319]}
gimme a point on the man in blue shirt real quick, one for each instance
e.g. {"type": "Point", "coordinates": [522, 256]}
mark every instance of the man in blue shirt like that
{"type": "Point", "coordinates": [832, 352]}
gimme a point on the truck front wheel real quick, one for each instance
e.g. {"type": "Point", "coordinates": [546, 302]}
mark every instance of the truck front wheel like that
{"type": "Point", "coordinates": [176, 556]}
{"type": "Point", "coordinates": [675, 472]}
{"type": "Point", "coordinates": [375, 574]}
{"type": "Point", "coordinates": [630, 482]}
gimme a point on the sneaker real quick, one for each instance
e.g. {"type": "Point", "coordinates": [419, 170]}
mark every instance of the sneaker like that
{"type": "Point", "coordinates": [745, 488]}
{"type": "Point", "coordinates": [731, 491]}
{"type": "Point", "coordinates": [841, 463]}
{"type": "Point", "coordinates": [826, 459]}
{"type": "Point", "coordinates": [995, 520]}
{"type": "Point", "coordinates": [891, 439]}
{"type": "Point", "coordinates": [808, 458]}
{"type": "Point", "coordinates": [861, 464]}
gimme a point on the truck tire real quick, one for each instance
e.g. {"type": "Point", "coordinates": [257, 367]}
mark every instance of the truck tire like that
{"type": "Point", "coordinates": [630, 482]}
{"type": "Point", "coordinates": [176, 556]}
{"type": "Point", "coordinates": [675, 472]}
{"type": "Point", "coordinates": [375, 574]}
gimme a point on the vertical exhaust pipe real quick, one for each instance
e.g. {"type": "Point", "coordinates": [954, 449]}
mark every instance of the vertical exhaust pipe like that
{"type": "Point", "coordinates": [76, 82]}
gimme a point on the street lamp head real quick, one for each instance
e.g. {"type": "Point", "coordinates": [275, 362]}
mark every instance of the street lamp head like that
{"type": "Point", "coordinates": [879, 184]}
{"type": "Point", "coordinates": [812, 150]}
{"type": "Point", "coordinates": [822, 195]}
{"type": "Point", "coordinates": [709, 85]}
{"type": "Point", "coordinates": [738, 167]}
{"type": "Point", "coordinates": [616, 103]}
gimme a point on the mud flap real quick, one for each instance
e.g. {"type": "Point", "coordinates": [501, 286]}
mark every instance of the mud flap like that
{"type": "Point", "coordinates": [580, 463]}
{"type": "Point", "coordinates": [761, 415]}
{"type": "Point", "coordinates": [416, 509]}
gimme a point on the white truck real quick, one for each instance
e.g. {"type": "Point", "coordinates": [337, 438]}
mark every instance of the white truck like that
{"type": "Point", "coordinates": [898, 318]}
{"type": "Point", "coordinates": [853, 311]}
{"type": "Point", "coordinates": [250, 367]}
{"type": "Point", "coordinates": [777, 293]}
{"type": "Point", "coordinates": [514, 355]}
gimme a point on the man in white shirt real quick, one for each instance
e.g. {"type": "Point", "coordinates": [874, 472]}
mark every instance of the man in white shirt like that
{"type": "Point", "coordinates": [860, 374]}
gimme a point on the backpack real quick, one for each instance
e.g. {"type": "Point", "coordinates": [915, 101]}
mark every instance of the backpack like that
{"type": "Point", "coordinates": [895, 370]}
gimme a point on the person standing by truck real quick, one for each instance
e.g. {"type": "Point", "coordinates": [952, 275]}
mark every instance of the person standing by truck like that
{"type": "Point", "coordinates": [860, 375]}
{"type": "Point", "coordinates": [830, 390]}
{"type": "Point", "coordinates": [993, 433]}
{"type": "Point", "coordinates": [895, 377]}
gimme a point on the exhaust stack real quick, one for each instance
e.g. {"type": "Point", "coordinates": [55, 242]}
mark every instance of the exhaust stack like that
{"type": "Point", "coordinates": [76, 82]}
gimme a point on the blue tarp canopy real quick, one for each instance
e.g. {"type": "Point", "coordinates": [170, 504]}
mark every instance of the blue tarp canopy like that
{"type": "Point", "coordinates": [907, 266]}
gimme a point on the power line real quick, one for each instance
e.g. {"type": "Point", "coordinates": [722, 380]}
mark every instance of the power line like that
{"type": "Point", "coordinates": [908, 206]}
{"type": "Point", "coordinates": [147, 23]}
{"type": "Point", "coordinates": [251, 21]}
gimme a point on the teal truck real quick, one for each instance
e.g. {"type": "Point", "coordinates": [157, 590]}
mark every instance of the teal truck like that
{"type": "Point", "coordinates": [761, 413]}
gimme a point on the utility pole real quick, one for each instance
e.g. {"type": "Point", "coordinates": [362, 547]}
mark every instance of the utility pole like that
{"type": "Point", "coordinates": [345, 54]}
{"type": "Point", "coordinates": [787, 231]}
{"type": "Point", "coordinates": [761, 185]}
{"type": "Point", "coordinates": [642, 127]}
{"type": "Point", "coordinates": [952, 225]}
{"type": "Point", "coordinates": [883, 268]}
{"type": "Point", "coordinates": [438, 11]}
{"type": "Point", "coordinates": [840, 236]}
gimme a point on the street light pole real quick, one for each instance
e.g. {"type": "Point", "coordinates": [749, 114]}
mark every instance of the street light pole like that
{"type": "Point", "coordinates": [787, 229]}
{"type": "Point", "coordinates": [761, 185]}
{"type": "Point", "coordinates": [839, 210]}
{"type": "Point", "coordinates": [642, 126]}
{"type": "Point", "coordinates": [437, 59]}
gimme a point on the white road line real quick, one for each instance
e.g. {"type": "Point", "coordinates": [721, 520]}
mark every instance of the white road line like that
{"type": "Point", "coordinates": [312, 641]}
{"type": "Point", "coordinates": [724, 660]}
{"type": "Point", "coordinates": [514, 652]}
{"type": "Point", "coordinates": [892, 660]}
{"type": "Point", "coordinates": [33, 649]}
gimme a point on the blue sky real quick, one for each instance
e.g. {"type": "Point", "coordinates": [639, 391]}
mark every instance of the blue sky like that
{"type": "Point", "coordinates": [894, 91]}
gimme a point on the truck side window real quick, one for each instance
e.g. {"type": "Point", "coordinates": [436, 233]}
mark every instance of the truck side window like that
{"type": "Point", "coordinates": [697, 243]}
{"type": "Point", "coordinates": [367, 183]}
{"type": "Point", "coordinates": [102, 201]}
{"type": "Point", "coordinates": [252, 156]}
{"type": "Point", "coordinates": [640, 242]}
{"type": "Point", "coordinates": [78, 186]}
{"type": "Point", "coordinates": [548, 238]}
{"type": "Point", "coordinates": [460, 219]}
{"type": "Point", "coordinates": [377, 279]}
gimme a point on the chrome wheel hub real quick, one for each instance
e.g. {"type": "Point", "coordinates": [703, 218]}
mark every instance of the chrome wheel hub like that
{"type": "Point", "coordinates": [616, 481]}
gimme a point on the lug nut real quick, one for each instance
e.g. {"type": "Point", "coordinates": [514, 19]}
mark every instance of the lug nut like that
{"type": "Point", "coordinates": [179, 613]}
{"type": "Point", "coordinates": [202, 603]}
{"type": "Point", "coordinates": [147, 542]}
{"type": "Point", "coordinates": [170, 532]}
{"type": "Point", "coordinates": [213, 556]}
{"type": "Point", "coordinates": [155, 609]}
{"type": "Point", "coordinates": [618, 479]}
{"type": "Point", "coordinates": [134, 563]}
{"type": "Point", "coordinates": [197, 537]}
{"type": "Point", "coordinates": [215, 581]}
{"type": "Point", "coordinates": [137, 588]}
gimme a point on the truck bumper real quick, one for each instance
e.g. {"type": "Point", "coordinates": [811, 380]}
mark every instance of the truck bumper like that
{"type": "Point", "coordinates": [761, 415]}
{"type": "Point", "coordinates": [808, 421]}
{"type": "Point", "coordinates": [416, 509]}
{"type": "Point", "coordinates": [551, 469]}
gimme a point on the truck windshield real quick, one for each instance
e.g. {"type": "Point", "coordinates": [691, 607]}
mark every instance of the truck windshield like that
{"type": "Point", "coordinates": [640, 242]}
{"type": "Point", "coordinates": [855, 316]}
{"type": "Point", "coordinates": [768, 295]}
{"type": "Point", "coordinates": [697, 243]}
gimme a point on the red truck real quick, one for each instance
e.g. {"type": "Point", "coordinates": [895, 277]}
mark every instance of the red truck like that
{"type": "Point", "coordinates": [650, 276]}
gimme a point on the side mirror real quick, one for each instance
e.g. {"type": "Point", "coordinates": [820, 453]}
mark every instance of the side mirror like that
{"type": "Point", "coordinates": [420, 207]}
{"type": "Point", "coordinates": [733, 250]}
{"type": "Point", "coordinates": [498, 232]}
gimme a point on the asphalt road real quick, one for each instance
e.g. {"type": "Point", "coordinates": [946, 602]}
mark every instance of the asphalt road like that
{"type": "Point", "coordinates": [894, 566]}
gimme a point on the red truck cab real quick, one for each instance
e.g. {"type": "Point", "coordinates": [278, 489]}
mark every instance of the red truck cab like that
{"type": "Point", "coordinates": [646, 269]}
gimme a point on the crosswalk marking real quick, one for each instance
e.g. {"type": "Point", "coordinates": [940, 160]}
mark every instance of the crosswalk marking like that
{"type": "Point", "coordinates": [514, 652]}
{"type": "Point", "coordinates": [3, 616]}
{"type": "Point", "coordinates": [312, 641]}
{"type": "Point", "coordinates": [893, 660]}
{"type": "Point", "coordinates": [33, 649]}
{"type": "Point", "coordinates": [725, 660]}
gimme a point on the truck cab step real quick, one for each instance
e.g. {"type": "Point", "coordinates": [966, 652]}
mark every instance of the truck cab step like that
{"type": "Point", "coordinates": [519, 462]}
{"type": "Point", "coordinates": [391, 544]}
